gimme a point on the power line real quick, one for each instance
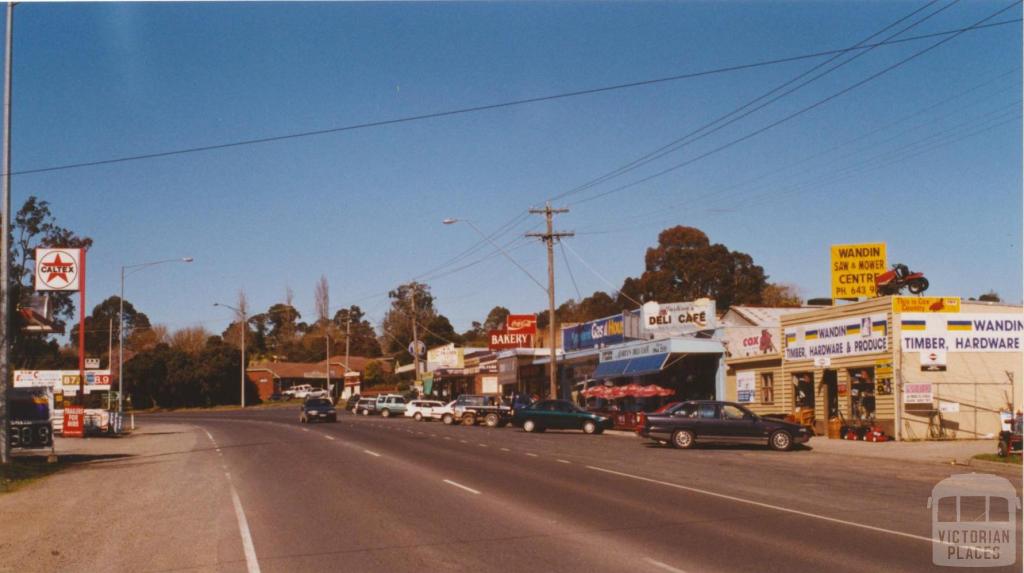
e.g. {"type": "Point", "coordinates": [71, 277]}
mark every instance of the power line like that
{"type": "Point", "coordinates": [494, 106]}
{"type": "Point", "coordinates": [793, 115]}
{"type": "Point", "coordinates": [579, 295]}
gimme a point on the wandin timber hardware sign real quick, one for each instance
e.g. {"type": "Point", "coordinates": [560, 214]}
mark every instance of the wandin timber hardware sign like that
{"type": "Point", "coordinates": [964, 332]}
{"type": "Point", "coordinates": [854, 268]}
{"type": "Point", "coordinates": [836, 338]}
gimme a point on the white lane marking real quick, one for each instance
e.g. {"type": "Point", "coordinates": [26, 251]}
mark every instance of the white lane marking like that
{"type": "Point", "coordinates": [374, 454]}
{"type": "Point", "coordinates": [209, 435]}
{"type": "Point", "coordinates": [532, 455]}
{"type": "Point", "coordinates": [482, 445]}
{"type": "Point", "coordinates": [251, 564]}
{"type": "Point", "coordinates": [447, 438]}
{"type": "Point", "coordinates": [328, 437]}
{"type": "Point", "coordinates": [218, 450]}
{"type": "Point", "coordinates": [463, 442]}
{"type": "Point", "coordinates": [505, 450]}
{"type": "Point", "coordinates": [766, 505]}
{"type": "Point", "coordinates": [305, 429]}
{"type": "Point", "coordinates": [563, 461]}
{"type": "Point", "coordinates": [433, 435]}
{"type": "Point", "coordinates": [420, 433]}
{"type": "Point", "coordinates": [664, 566]}
{"type": "Point", "coordinates": [460, 486]}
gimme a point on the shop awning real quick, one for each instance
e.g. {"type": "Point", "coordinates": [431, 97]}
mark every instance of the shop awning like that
{"type": "Point", "coordinates": [645, 365]}
{"type": "Point", "coordinates": [611, 369]}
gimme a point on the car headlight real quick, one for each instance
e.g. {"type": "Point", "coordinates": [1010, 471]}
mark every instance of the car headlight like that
{"type": "Point", "coordinates": [332, 411]}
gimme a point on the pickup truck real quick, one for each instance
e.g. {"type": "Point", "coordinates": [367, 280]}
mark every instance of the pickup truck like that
{"type": "Point", "coordinates": [470, 410]}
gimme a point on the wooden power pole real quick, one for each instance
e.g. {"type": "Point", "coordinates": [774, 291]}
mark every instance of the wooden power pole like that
{"type": "Point", "coordinates": [549, 239]}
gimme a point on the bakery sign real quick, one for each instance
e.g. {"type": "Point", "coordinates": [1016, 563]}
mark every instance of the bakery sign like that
{"type": "Point", "coordinates": [836, 338]}
{"type": "Point", "coordinates": [679, 317]}
{"type": "Point", "coordinates": [58, 269]}
{"type": "Point", "coordinates": [506, 339]}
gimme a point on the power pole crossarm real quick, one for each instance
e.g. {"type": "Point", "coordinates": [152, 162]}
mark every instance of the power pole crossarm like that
{"type": "Point", "coordinates": [549, 239]}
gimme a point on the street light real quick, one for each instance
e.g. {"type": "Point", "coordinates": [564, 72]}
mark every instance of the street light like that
{"type": "Point", "coordinates": [242, 329]}
{"type": "Point", "coordinates": [120, 324]}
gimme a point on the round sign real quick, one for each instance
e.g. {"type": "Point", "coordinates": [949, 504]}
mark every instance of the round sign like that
{"type": "Point", "coordinates": [57, 269]}
{"type": "Point", "coordinates": [417, 347]}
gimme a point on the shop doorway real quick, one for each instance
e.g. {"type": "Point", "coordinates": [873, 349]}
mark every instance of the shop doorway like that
{"type": "Point", "coordinates": [830, 379]}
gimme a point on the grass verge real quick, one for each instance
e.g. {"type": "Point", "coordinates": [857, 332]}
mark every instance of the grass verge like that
{"type": "Point", "coordinates": [21, 471]}
{"type": "Point", "coordinates": [1011, 459]}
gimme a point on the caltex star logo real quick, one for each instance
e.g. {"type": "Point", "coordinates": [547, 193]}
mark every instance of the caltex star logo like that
{"type": "Point", "coordinates": [57, 269]}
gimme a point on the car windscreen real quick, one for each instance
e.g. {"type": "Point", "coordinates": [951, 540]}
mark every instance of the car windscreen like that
{"type": "Point", "coordinates": [319, 404]}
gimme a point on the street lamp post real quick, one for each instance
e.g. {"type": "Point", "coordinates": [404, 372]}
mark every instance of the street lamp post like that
{"type": "Point", "coordinates": [242, 331]}
{"type": "Point", "coordinates": [120, 324]}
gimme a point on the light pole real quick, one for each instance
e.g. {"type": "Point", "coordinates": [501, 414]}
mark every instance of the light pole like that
{"type": "Point", "coordinates": [120, 324]}
{"type": "Point", "coordinates": [242, 330]}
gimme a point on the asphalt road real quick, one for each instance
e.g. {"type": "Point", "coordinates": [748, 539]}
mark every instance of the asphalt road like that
{"type": "Point", "coordinates": [373, 494]}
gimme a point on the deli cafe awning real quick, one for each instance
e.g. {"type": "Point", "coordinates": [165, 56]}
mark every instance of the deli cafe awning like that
{"type": "Point", "coordinates": [649, 357]}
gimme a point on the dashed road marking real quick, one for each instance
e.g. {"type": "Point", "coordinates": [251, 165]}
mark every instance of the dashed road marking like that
{"type": "Point", "coordinates": [447, 438]}
{"type": "Point", "coordinates": [460, 486]}
{"type": "Point", "coordinates": [328, 437]}
{"type": "Point", "coordinates": [531, 454]}
{"type": "Point", "coordinates": [664, 566]}
{"type": "Point", "coordinates": [374, 454]}
{"type": "Point", "coordinates": [505, 450]}
{"type": "Point", "coordinates": [463, 442]}
{"type": "Point", "coordinates": [482, 445]}
{"type": "Point", "coordinates": [563, 461]}
{"type": "Point", "coordinates": [252, 565]}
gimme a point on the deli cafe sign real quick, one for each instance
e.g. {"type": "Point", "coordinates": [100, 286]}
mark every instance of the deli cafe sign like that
{"type": "Point", "coordinates": [679, 317]}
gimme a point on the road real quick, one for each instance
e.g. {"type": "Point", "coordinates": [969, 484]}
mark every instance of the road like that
{"type": "Point", "coordinates": [372, 494]}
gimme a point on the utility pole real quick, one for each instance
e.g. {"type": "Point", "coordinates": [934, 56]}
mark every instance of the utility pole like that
{"type": "Point", "coordinates": [549, 239]}
{"type": "Point", "coordinates": [327, 342]}
{"type": "Point", "coordinates": [5, 245]}
{"type": "Point", "coordinates": [415, 336]}
{"type": "Point", "coordinates": [243, 328]}
{"type": "Point", "coordinates": [348, 332]}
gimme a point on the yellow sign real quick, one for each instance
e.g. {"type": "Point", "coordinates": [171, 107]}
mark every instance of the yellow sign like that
{"type": "Point", "coordinates": [854, 268]}
{"type": "Point", "coordinates": [883, 368]}
{"type": "Point", "coordinates": [926, 304]}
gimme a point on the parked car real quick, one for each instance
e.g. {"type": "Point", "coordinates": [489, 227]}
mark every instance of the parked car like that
{"type": "Point", "coordinates": [444, 413]}
{"type": "Point", "coordinates": [419, 410]}
{"type": "Point", "coordinates": [318, 409]}
{"type": "Point", "coordinates": [390, 405]}
{"type": "Point", "coordinates": [1010, 440]}
{"type": "Point", "coordinates": [470, 409]}
{"type": "Point", "coordinates": [713, 421]}
{"type": "Point", "coordinates": [317, 393]}
{"type": "Point", "coordinates": [299, 391]}
{"type": "Point", "coordinates": [560, 415]}
{"type": "Point", "coordinates": [366, 406]}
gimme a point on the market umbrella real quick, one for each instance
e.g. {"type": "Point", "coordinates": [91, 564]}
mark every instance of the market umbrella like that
{"type": "Point", "coordinates": [616, 392]}
{"type": "Point", "coordinates": [631, 389]}
{"type": "Point", "coordinates": [666, 392]}
{"type": "Point", "coordinates": [650, 391]}
{"type": "Point", "coordinates": [594, 392]}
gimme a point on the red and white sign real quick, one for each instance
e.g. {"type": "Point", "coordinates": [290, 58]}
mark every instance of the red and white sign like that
{"type": "Point", "coordinates": [58, 269]}
{"type": "Point", "coordinates": [504, 339]}
{"type": "Point", "coordinates": [521, 323]}
{"type": "Point", "coordinates": [74, 422]}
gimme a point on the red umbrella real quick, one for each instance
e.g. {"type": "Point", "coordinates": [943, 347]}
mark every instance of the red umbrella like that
{"type": "Point", "coordinates": [650, 391]}
{"type": "Point", "coordinates": [666, 392]}
{"type": "Point", "coordinates": [594, 392]}
{"type": "Point", "coordinates": [616, 392]}
{"type": "Point", "coordinates": [632, 389]}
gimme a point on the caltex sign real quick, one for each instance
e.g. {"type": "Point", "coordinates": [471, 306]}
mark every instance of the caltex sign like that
{"type": "Point", "coordinates": [58, 269]}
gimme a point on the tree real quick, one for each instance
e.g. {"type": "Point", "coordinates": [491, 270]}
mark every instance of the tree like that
{"type": "Point", "coordinates": [780, 296]}
{"type": "Point", "coordinates": [362, 337]}
{"type": "Point", "coordinates": [990, 296]}
{"type": "Point", "coordinates": [322, 298]}
{"type": "Point", "coordinates": [102, 325]}
{"type": "Point", "coordinates": [496, 319]}
{"type": "Point", "coordinates": [35, 226]}
{"type": "Point", "coordinates": [397, 322]}
{"type": "Point", "coordinates": [190, 340]}
{"type": "Point", "coordinates": [685, 265]}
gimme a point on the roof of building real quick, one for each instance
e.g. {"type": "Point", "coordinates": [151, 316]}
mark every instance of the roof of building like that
{"type": "Point", "coordinates": [316, 369]}
{"type": "Point", "coordinates": [760, 315]}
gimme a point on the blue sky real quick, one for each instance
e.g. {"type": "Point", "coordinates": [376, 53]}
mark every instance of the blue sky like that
{"type": "Point", "coordinates": [926, 158]}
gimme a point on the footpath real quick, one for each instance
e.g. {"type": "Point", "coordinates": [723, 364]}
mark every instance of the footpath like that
{"type": "Point", "coordinates": [155, 500]}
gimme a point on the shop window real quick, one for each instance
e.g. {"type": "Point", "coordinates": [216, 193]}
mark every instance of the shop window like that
{"type": "Point", "coordinates": [767, 388]}
{"type": "Point", "coordinates": [862, 394]}
{"type": "Point", "coordinates": [803, 386]}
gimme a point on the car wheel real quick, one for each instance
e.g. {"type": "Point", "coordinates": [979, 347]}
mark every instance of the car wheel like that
{"type": "Point", "coordinates": [469, 420]}
{"type": "Point", "coordinates": [302, 419]}
{"type": "Point", "coordinates": [417, 416]}
{"type": "Point", "coordinates": [448, 419]}
{"type": "Point", "coordinates": [385, 413]}
{"type": "Point", "coordinates": [492, 420]}
{"type": "Point", "coordinates": [589, 427]}
{"type": "Point", "coordinates": [781, 441]}
{"type": "Point", "coordinates": [531, 426]}
{"type": "Point", "coordinates": [682, 439]}
{"type": "Point", "coordinates": [1001, 450]}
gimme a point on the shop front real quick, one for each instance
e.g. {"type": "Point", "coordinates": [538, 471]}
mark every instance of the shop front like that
{"type": "Point", "coordinates": [636, 377]}
{"type": "Point", "coordinates": [870, 370]}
